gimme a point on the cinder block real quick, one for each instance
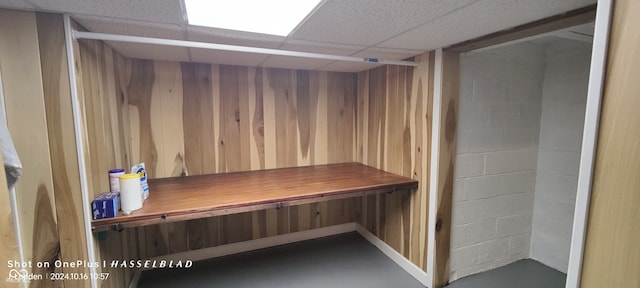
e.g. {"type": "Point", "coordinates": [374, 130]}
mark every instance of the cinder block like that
{"type": "Point", "coordinates": [519, 244]}
{"type": "Point", "coordinates": [469, 165]}
{"type": "Point", "coordinates": [456, 237]}
{"type": "Point", "coordinates": [549, 251]}
{"type": "Point", "coordinates": [496, 207]}
{"type": "Point", "coordinates": [482, 187]}
{"type": "Point", "coordinates": [520, 138]}
{"type": "Point", "coordinates": [489, 90]}
{"type": "Point", "coordinates": [478, 140]}
{"type": "Point", "coordinates": [507, 205]}
{"type": "Point", "coordinates": [556, 187]}
{"type": "Point", "coordinates": [512, 225]}
{"type": "Point", "coordinates": [479, 232]}
{"type": "Point", "coordinates": [464, 257]}
{"type": "Point", "coordinates": [559, 162]}
{"type": "Point", "coordinates": [464, 272]}
{"type": "Point", "coordinates": [518, 182]}
{"type": "Point", "coordinates": [466, 88]}
{"type": "Point", "coordinates": [529, 116]}
{"type": "Point", "coordinates": [570, 116]}
{"type": "Point", "coordinates": [466, 212]}
{"type": "Point", "coordinates": [525, 91]}
{"type": "Point", "coordinates": [458, 191]}
{"type": "Point", "coordinates": [474, 115]}
{"type": "Point", "coordinates": [561, 139]}
{"type": "Point", "coordinates": [545, 224]}
{"type": "Point", "coordinates": [510, 161]}
{"type": "Point", "coordinates": [493, 250]}
{"type": "Point", "coordinates": [508, 260]}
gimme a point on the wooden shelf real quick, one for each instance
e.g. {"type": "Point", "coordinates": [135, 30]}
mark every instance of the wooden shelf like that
{"type": "Point", "coordinates": [192, 197]}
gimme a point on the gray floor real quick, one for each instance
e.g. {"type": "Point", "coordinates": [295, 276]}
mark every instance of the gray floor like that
{"type": "Point", "coordinates": [521, 274]}
{"type": "Point", "coordinates": [346, 260]}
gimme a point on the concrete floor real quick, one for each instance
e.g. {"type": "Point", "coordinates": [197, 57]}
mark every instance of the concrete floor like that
{"type": "Point", "coordinates": [346, 260]}
{"type": "Point", "coordinates": [521, 274]}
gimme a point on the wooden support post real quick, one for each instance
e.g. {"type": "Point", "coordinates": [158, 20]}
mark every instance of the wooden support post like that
{"type": "Point", "coordinates": [446, 158]}
{"type": "Point", "coordinates": [612, 254]}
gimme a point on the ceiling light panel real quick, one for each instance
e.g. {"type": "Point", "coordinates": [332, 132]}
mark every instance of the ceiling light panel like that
{"type": "Point", "coordinates": [275, 17]}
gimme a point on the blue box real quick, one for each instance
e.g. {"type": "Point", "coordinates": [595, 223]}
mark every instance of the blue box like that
{"type": "Point", "coordinates": [106, 205]}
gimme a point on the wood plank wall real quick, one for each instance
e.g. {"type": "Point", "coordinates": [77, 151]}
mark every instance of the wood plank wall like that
{"type": "Point", "coordinates": [25, 107]}
{"type": "Point", "coordinates": [394, 134]}
{"type": "Point", "coordinates": [446, 161]}
{"type": "Point", "coordinates": [102, 99]}
{"type": "Point", "coordinates": [192, 118]}
{"type": "Point", "coordinates": [612, 253]}
{"type": "Point", "coordinates": [62, 145]}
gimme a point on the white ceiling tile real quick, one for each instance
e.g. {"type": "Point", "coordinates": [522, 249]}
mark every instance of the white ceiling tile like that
{"type": "Point", "coordinates": [479, 19]}
{"type": "Point", "coordinates": [155, 11]}
{"type": "Point", "coordinates": [390, 30]}
{"type": "Point", "coordinates": [368, 22]}
{"type": "Point", "coordinates": [130, 27]}
{"type": "Point", "coordinates": [17, 4]}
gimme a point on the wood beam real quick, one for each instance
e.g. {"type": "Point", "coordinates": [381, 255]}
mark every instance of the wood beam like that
{"type": "Point", "coordinates": [553, 23]}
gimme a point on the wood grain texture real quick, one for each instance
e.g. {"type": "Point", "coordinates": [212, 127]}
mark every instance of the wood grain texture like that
{"type": "Point", "coordinates": [612, 254]}
{"type": "Point", "coordinates": [393, 112]}
{"type": "Point", "coordinates": [246, 118]}
{"type": "Point", "coordinates": [238, 119]}
{"type": "Point", "coordinates": [446, 159]}
{"type": "Point", "coordinates": [227, 193]}
{"type": "Point", "coordinates": [102, 97]}
{"type": "Point", "coordinates": [64, 160]}
{"type": "Point", "coordinates": [27, 123]}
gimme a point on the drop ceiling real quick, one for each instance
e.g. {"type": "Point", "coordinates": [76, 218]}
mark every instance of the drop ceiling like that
{"type": "Point", "coordinates": [385, 29]}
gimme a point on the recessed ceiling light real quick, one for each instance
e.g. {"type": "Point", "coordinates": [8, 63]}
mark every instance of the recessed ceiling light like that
{"type": "Point", "coordinates": [275, 17]}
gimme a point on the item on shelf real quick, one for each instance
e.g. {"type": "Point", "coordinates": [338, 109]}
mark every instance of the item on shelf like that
{"type": "Point", "coordinates": [144, 186]}
{"type": "Point", "coordinates": [106, 205]}
{"type": "Point", "coordinates": [130, 193]}
{"type": "Point", "coordinates": [114, 179]}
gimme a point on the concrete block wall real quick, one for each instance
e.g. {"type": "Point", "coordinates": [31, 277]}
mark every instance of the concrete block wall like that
{"type": "Point", "coordinates": [497, 153]}
{"type": "Point", "coordinates": [561, 125]}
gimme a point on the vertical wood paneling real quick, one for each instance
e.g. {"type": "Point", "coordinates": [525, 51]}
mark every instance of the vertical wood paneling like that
{"type": "Point", "coordinates": [341, 101]}
{"type": "Point", "coordinates": [612, 254]}
{"type": "Point", "coordinates": [257, 118]}
{"type": "Point", "coordinates": [393, 131]}
{"type": "Point", "coordinates": [303, 98]}
{"type": "Point", "coordinates": [198, 118]}
{"type": "Point", "coordinates": [64, 160]}
{"type": "Point", "coordinates": [446, 158]}
{"type": "Point", "coordinates": [102, 96]}
{"type": "Point", "coordinates": [236, 119]}
{"type": "Point", "coordinates": [27, 123]}
{"type": "Point", "coordinates": [234, 140]}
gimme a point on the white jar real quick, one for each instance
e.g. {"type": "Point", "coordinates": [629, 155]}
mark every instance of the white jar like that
{"type": "Point", "coordinates": [130, 193]}
{"type": "Point", "coordinates": [114, 179]}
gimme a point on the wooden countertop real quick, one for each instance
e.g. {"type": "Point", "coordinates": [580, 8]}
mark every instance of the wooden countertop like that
{"type": "Point", "coordinates": [192, 197]}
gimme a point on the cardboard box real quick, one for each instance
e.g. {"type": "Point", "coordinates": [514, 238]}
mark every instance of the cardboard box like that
{"type": "Point", "coordinates": [106, 205]}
